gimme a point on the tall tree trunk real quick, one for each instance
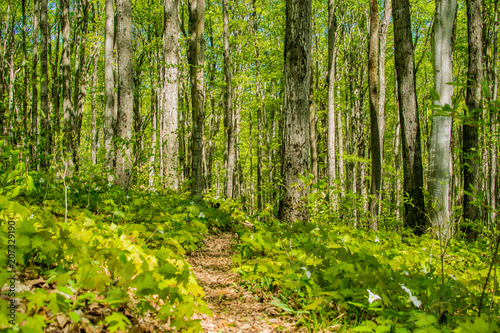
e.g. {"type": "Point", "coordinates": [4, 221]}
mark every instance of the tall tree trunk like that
{"type": "Point", "coordinates": [56, 86]}
{"type": "Point", "coordinates": [196, 60]}
{"type": "Point", "coordinates": [25, 74]}
{"type": "Point", "coordinates": [414, 216]}
{"type": "Point", "coordinates": [34, 89]}
{"type": "Point", "coordinates": [312, 132]}
{"type": "Point", "coordinates": [94, 139]}
{"type": "Point", "coordinates": [475, 76]}
{"type": "Point", "coordinates": [109, 90]}
{"type": "Point", "coordinates": [376, 149]}
{"type": "Point", "coordinates": [80, 86]}
{"type": "Point", "coordinates": [125, 93]}
{"type": "Point", "coordinates": [440, 140]}
{"type": "Point", "coordinates": [295, 144]}
{"type": "Point", "coordinates": [171, 94]}
{"type": "Point", "coordinates": [68, 113]}
{"type": "Point", "coordinates": [228, 112]}
{"type": "Point", "coordinates": [332, 123]}
{"type": "Point", "coordinates": [44, 85]}
{"type": "Point", "coordinates": [260, 111]}
{"type": "Point", "coordinates": [382, 83]}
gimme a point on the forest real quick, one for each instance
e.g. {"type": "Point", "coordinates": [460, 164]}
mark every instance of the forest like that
{"type": "Point", "coordinates": [249, 166]}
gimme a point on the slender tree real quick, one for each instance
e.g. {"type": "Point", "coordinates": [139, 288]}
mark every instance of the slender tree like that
{"type": "Point", "coordinates": [109, 89]}
{"type": "Point", "coordinates": [440, 140]}
{"type": "Point", "coordinates": [68, 114]}
{"type": "Point", "coordinates": [376, 149]}
{"type": "Point", "coordinates": [228, 112]}
{"type": "Point", "coordinates": [44, 84]}
{"type": "Point", "coordinates": [332, 63]}
{"type": "Point", "coordinates": [125, 93]}
{"type": "Point", "coordinates": [414, 214]}
{"type": "Point", "coordinates": [475, 76]}
{"type": "Point", "coordinates": [171, 94]}
{"type": "Point", "coordinates": [295, 145]}
{"type": "Point", "coordinates": [196, 54]}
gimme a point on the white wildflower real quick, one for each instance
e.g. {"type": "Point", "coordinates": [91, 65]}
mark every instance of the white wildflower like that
{"type": "Point", "coordinates": [372, 297]}
{"type": "Point", "coordinates": [201, 216]}
{"type": "Point", "coordinates": [406, 273]}
{"type": "Point", "coordinates": [97, 189]}
{"type": "Point", "coordinates": [31, 217]}
{"type": "Point", "coordinates": [376, 239]}
{"type": "Point", "coordinates": [192, 203]}
{"type": "Point", "coordinates": [425, 271]}
{"type": "Point", "coordinates": [41, 180]}
{"type": "Point", "coordinates": [454, 278]}
{"type": "Point", "coordinates": [216, 197]}
{"type": "Point", "coordinates": [308, 274]}
{"type": "Point", "coordinates": [127, 197]}
{"type": "Point", "coordinates": [415, 301]}
{"type": "Point", "coordinates": [406, 289]}
{"type": "Point", "coordinates": [161, 232]}
{"type": "Point", "coordinates": [251, 237]}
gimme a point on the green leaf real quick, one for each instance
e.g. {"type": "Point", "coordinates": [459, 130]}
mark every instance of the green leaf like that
{"type": "Point", "coordinates": [117, 321]}
{"type": "Point", "coordinates": [75, 317]}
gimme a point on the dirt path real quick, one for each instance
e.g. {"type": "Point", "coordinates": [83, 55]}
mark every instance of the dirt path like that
{"type": "Point", "coordinates": [234, 308]}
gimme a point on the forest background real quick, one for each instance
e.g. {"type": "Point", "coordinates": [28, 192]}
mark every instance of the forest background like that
{"type": "Point", "coordinates": [347, 112]}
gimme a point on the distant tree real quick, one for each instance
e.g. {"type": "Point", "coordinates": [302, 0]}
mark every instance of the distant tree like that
{"type": "Point", "coordinates": [125, 92]}
{"type": "Point", "coordinates": [473, 101]}
{"type": "Point", "coordinates": [109, 88]}
{"type": "Point", "coordinates": [375, 135]}
{"type": "Point", "coordinates": [298, 38]}
{"type": "Point", "coordinates": [196, 53]}
{"type": "Point", "coordinates": [229, 123]}
{"type": "Point", "coordinates": [414, 214]}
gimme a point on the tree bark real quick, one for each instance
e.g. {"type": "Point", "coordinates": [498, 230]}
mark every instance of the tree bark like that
{"type": "Point", "coordinates": [94, 139]}
{"type": "Point", "coordinates": [171, 94]}
{"type": "Point", "coordinates": [196, 53]}
{"type": "Point", "coordinates": [228, 112]}
{"type": "Point", "coordinates": [473, 101]}
{"type": "Point", "coordinates": [332, 126]}
{"type": "Point", "coordinates": [44, 85]}
{"type": "Point", "coordinates": [295, 144]}
{"type": "Point", "coordinates": [68, 113]}
{"type": "Point", "coordinates": [440, 140]}
{"type": "Point", "coordinates": [109, 90]}
{"type": "Point", "coordinates": [125, 93]}
{"type": "Point", "coordinates": [34, 89]}
{"type": "Point", "coordinates": [376, 149]}
{"type": "Point", "coordinates": [414, 215]}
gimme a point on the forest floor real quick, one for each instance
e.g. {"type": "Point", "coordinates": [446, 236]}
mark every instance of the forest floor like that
{"type": "Point", "coordinates": [234, 307]}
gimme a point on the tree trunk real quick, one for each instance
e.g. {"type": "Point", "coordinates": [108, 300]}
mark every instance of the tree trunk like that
{"type": "Point", "coordinates": [171, 94]}
{"type": "Point", "coordinates": [109, 90]}
{"type": "Point", "coordinates": [376, 149]}
{"type": "Point", "coordinates": [228, 112]}
{"type": "Point", "coordinates": [414, 216]}
{"type": "Point", "coordinates": [34, 90]}
{"type": "Point", "coordinates": [125, 93]}
{"type": "Point", "coordinates": [44, 85]}
{"type": "Point", "coordinates": [94, 140]}
{"type": "Point", "coordinates": [68, 113]}
{"type": "Point", "coordinates": [295, 144]}
{"type": "Point", "coordinates": [332, 126]}
{"type": "Point", "coordinates": [440, 140]}
{"type": "Point", "coordinates": [196, 60]}
{"type": "Point", "coordinates": [473, 101]}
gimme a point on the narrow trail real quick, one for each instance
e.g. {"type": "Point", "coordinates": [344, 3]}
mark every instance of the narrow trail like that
{"type": "Point", "coordinates": [234, 308]}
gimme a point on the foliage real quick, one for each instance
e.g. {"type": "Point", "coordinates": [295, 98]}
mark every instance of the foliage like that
{"type": "Point", "coordinates": [121, 251]}
{"type": "Point", "coordinates": [331, 274]}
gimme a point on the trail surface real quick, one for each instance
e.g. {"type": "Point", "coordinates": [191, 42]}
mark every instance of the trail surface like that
{"type": "Point", "coordinates": [234, 308]}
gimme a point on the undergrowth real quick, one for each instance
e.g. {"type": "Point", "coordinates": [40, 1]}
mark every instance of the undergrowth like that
{"type": "Point", "coordinates": [341, 278]}
{"type": "Point", "coordinates": [109, 259]}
